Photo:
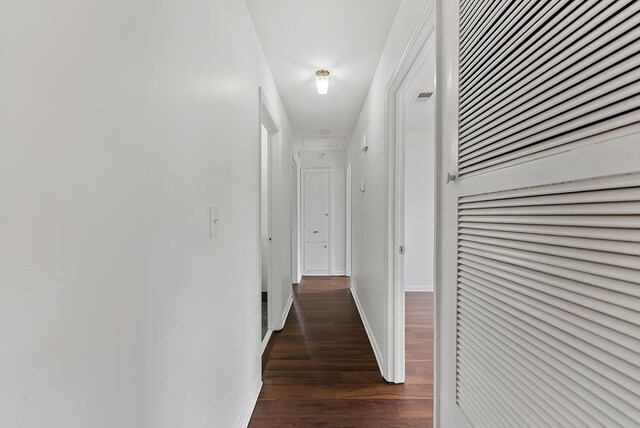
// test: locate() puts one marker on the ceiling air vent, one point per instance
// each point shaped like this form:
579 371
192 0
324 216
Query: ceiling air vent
422 97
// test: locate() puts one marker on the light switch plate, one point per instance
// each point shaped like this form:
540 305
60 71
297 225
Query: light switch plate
362 186
214 221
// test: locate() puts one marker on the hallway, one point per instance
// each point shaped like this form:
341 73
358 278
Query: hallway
322 371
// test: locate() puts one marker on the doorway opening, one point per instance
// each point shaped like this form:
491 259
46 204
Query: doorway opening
349 220
416 217
295 222
268 138
265 228
412 208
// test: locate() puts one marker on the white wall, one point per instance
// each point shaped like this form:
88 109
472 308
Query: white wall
336 161
419 210
369 270
121 122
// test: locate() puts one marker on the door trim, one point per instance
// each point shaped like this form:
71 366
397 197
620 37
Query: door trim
327 171
295 222
266 119
420 44
348 224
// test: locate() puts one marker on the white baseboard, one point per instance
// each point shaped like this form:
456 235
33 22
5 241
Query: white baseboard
250 404
287 309
339 273
367 327
265 341
419 288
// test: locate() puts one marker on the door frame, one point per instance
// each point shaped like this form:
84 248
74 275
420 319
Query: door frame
295 221
266 119
327 171
420 44
348 223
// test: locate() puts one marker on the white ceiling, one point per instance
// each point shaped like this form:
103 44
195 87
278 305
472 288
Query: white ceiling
344 36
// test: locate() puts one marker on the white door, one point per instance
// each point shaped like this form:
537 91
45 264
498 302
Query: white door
539 241
316 221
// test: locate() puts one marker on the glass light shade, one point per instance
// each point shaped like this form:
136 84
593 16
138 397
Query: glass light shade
322 80
323 84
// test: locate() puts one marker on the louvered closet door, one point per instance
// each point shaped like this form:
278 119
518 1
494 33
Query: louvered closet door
539 117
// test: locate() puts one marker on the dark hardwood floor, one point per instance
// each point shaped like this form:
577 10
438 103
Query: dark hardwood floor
321 371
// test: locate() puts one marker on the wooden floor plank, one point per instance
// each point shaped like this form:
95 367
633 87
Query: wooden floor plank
321 370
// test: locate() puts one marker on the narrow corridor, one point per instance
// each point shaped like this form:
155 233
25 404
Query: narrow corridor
321 370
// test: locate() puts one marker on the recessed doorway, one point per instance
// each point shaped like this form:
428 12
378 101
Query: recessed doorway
269 134
316 221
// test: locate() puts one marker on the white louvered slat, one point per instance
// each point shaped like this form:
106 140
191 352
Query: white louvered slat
610 234
553 353
583 306
553 365
621 195
536 77
519 374
549 279
568 271
603 334
575 36
547 366
563 241
614 303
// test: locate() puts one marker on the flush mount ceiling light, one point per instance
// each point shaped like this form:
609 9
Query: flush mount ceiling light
322 80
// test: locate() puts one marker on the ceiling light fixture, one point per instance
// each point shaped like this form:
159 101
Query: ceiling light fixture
322 80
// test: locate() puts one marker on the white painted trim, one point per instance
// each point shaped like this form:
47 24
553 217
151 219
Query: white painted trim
266 118
339 273
414 51
349 237
367 327
327 171
286 311
299 221
249 405
295 222
265 340
418 288
446 410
